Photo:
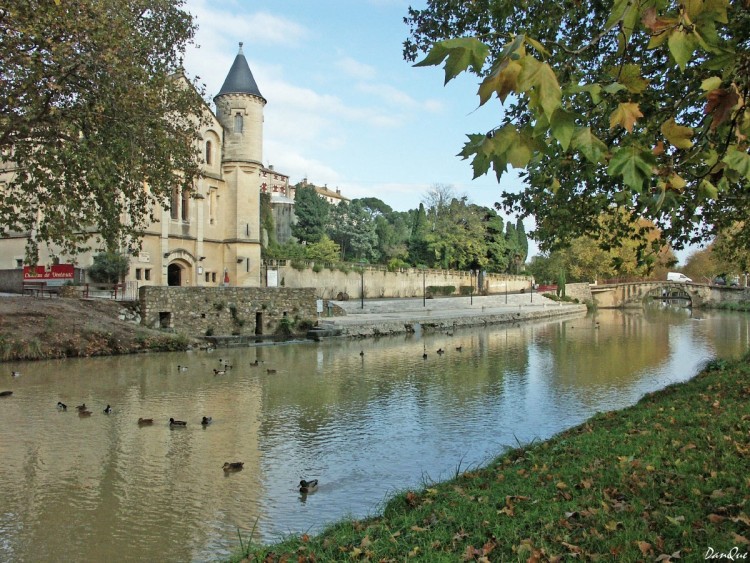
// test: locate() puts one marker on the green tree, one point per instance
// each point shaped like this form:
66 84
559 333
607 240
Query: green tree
498 255
312 215
109 267
418 252
92 106
641 105
353 228
457 238
325 250
523 241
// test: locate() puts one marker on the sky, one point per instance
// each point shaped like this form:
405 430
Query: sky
344 109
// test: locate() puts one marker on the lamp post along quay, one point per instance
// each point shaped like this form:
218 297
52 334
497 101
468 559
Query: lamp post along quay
362 284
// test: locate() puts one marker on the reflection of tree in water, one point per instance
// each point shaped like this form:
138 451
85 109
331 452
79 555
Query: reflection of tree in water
612 349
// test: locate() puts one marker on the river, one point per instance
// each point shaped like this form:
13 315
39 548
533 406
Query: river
367 418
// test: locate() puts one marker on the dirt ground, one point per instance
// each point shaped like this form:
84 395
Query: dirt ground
38 328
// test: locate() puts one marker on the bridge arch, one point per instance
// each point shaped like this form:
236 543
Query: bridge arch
635 293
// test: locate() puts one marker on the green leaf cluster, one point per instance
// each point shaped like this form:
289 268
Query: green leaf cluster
640 106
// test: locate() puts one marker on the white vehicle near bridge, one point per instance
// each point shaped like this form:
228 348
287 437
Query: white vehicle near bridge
677 277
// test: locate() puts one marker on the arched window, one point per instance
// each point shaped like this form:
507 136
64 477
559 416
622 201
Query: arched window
238 122
208 152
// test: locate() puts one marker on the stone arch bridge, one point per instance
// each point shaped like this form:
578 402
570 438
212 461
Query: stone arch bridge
633 294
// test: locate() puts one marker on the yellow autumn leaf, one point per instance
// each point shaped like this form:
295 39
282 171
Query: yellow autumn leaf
503 81
677 135
711 84
626 114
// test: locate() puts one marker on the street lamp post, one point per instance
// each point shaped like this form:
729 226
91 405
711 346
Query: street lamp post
362 284
424 289
471 292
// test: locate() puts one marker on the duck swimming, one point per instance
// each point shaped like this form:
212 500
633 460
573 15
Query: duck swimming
145 421
6 393
232 466
173 422
62 406
181 368
308 486
15 374
108 410
269 370
81 407
220 372
206 420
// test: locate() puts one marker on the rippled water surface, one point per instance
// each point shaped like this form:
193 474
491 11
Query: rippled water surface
366 425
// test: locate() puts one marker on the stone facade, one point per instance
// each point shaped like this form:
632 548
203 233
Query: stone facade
206 311
209 236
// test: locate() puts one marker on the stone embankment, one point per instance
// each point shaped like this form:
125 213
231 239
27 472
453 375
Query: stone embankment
393 316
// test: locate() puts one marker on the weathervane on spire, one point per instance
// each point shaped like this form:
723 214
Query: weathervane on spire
240 48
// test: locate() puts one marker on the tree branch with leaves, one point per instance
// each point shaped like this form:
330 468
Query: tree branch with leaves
634 105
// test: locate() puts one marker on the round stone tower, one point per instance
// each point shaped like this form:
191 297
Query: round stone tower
239 109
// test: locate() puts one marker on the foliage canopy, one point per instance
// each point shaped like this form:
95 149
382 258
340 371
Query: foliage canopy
93 108
635 104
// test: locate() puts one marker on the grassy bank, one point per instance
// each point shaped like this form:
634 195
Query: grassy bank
667 479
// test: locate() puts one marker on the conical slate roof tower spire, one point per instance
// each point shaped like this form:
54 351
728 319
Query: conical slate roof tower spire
240 79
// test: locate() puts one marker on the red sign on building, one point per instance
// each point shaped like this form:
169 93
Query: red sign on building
56 272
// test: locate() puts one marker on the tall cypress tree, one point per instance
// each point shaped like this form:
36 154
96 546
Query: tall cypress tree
523 241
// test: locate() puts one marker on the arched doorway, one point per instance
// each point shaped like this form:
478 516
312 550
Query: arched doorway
174 274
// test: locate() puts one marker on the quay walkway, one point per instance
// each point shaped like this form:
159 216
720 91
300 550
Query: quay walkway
390 316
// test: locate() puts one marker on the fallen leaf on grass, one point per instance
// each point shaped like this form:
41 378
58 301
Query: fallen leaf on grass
740 539
613 526
645 547
676 519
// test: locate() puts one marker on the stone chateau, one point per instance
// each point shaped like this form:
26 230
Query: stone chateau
211 236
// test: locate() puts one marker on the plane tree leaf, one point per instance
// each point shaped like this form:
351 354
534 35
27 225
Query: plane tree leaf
459 55
633 164
589 145
677 135
625 115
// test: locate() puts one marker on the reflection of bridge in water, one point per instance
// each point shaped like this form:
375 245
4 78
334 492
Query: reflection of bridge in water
633 294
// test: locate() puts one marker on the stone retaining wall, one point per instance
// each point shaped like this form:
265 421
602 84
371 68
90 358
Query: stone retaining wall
206 311
580 291
379 282
448 324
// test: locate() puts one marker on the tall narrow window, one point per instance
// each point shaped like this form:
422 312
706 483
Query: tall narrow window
185 212
211 206
208 152
174 204
238 122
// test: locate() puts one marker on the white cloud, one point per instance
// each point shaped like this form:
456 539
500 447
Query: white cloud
356 69
220 25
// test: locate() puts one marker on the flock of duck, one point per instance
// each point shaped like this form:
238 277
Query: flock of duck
228 467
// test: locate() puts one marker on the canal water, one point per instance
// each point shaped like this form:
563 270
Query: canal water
367 418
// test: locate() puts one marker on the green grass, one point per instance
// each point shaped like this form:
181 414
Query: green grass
666 479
